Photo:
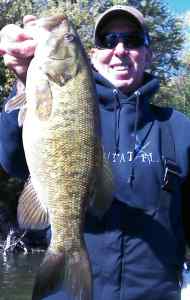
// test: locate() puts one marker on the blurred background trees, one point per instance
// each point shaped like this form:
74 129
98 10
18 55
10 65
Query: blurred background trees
168 34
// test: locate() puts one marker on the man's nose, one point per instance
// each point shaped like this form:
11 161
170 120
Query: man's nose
120 49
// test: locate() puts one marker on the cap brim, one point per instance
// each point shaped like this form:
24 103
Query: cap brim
129 11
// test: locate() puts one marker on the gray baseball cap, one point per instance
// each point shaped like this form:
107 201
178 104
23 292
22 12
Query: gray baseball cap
118 10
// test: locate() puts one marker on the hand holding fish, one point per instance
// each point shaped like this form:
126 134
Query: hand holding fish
17 46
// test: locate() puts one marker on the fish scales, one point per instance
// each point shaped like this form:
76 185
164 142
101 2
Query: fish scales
68 154
63 152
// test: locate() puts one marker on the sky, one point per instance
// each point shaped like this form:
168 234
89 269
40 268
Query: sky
178 6
181 8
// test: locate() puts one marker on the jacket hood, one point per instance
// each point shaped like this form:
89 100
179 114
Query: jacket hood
131 111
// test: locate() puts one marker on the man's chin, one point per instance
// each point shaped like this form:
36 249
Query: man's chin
123 85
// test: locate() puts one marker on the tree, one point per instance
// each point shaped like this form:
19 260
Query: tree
176 92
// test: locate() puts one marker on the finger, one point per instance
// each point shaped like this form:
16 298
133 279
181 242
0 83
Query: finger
12 61
17 65
22 49
10 32
2 51
29 19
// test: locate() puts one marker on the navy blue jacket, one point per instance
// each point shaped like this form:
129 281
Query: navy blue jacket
137 248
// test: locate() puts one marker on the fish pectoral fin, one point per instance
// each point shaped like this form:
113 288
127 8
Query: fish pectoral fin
102 197
68 272
44 100
31 214
15 103
21 115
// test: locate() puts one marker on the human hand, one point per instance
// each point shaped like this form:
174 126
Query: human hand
17 46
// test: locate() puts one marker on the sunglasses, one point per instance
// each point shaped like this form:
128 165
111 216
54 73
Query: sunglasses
129 40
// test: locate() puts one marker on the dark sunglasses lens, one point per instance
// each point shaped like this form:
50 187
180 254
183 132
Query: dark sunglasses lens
134 41
111 40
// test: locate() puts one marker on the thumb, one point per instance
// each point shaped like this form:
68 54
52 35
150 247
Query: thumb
2 51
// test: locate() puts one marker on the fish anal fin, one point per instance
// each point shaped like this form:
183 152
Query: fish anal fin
31 214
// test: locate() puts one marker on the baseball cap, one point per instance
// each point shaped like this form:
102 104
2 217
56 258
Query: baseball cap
118 10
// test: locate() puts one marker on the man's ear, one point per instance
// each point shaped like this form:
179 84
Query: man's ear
148 58
93 55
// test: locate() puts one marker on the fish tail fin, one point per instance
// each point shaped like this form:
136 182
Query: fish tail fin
67 272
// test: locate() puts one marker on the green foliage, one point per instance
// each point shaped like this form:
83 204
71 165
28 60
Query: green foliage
10 190
2 77
12 11
6 80
176 93
166 36
83 14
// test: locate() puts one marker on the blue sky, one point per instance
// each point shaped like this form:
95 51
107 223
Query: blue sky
178 6
182 9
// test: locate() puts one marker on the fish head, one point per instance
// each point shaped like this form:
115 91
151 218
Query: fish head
59 58
62 50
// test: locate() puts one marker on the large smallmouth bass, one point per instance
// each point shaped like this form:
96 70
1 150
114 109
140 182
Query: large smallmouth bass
61 138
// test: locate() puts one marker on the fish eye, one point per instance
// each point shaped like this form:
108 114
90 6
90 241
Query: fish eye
68 37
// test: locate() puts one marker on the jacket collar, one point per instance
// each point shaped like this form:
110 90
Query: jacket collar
107 92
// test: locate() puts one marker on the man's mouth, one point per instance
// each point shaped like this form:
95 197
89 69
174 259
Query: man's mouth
120 68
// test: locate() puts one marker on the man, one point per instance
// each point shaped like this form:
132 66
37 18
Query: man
137 248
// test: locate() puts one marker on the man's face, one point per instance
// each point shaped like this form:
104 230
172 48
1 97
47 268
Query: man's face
123 67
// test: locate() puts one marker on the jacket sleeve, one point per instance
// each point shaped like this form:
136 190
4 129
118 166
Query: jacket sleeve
12 156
